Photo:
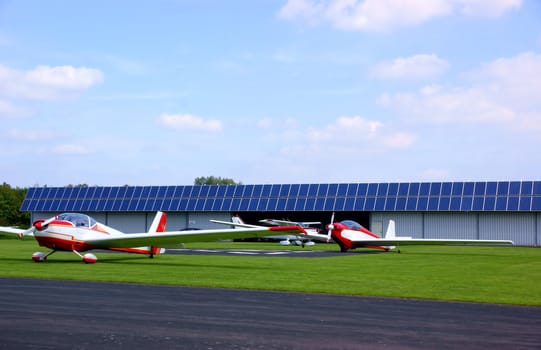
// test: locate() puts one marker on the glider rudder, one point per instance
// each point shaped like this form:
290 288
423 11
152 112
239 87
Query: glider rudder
158 225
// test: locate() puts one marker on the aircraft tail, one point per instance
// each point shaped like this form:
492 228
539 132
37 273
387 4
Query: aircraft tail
158 225
390 230
159 222
237 220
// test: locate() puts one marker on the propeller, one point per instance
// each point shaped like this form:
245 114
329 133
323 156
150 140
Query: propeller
330 228
38 225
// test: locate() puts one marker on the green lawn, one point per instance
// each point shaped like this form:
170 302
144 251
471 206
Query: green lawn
507 275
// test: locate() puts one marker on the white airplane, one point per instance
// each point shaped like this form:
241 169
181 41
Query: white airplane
77 233
306 239
350 235
301 239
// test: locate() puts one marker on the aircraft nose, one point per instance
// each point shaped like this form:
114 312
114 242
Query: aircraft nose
39 224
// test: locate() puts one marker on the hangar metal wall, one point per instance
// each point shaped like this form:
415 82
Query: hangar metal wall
523 228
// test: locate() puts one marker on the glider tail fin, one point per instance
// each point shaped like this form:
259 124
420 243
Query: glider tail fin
237 220
158 225
390 230
390 233
159 222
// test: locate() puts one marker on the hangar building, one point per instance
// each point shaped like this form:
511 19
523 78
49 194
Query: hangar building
469 210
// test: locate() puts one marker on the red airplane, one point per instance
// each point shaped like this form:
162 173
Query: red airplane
77 233
350 235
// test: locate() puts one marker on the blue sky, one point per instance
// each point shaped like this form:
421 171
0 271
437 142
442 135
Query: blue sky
271 91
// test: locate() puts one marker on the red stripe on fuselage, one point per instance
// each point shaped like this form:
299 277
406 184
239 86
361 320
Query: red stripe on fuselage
63 244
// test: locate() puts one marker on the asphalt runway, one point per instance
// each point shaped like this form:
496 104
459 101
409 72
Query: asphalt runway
52 314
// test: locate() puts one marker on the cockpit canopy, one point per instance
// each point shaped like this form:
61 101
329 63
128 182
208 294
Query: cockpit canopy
77 219
353 225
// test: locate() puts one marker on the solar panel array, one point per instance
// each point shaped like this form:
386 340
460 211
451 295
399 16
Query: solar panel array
415 196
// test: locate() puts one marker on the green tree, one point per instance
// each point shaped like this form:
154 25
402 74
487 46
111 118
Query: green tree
213 180
10 202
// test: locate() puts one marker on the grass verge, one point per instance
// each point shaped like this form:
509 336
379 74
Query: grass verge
504 275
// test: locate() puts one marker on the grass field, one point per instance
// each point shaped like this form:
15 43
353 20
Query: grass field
506 275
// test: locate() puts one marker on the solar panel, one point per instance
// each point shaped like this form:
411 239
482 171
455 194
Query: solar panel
435 189
525 204
372 190
512 203
265 190
478 203
415 196
359 203
380 203
369 203
284 190
342 190
490 203
323 190
457 188
422 204
479 189
536 203
514 188
382 190
390 203
361 190
537 188
503 188
466 204
239 190
248 190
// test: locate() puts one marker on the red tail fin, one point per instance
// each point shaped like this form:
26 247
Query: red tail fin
158 225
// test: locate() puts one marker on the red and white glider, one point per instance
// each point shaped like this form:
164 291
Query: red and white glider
77 233
350 235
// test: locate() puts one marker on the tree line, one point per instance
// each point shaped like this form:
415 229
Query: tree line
10 203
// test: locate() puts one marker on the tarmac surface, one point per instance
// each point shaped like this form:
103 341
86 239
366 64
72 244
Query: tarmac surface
54 314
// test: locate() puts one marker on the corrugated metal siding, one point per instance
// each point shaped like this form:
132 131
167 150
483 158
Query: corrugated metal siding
538 229
407 224
450 225
175 221
127 222
201 220
519 227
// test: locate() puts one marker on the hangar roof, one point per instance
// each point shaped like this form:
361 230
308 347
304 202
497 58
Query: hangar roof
405 196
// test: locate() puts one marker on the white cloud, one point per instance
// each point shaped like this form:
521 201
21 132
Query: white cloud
399 140
189 122
411 68
47 83
349 135
456 105
512 79
487 8
265 123
382 15
506 91
346 129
